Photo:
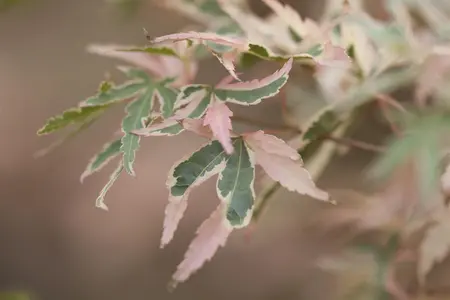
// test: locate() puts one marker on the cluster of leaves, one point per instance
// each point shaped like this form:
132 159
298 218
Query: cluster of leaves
355 60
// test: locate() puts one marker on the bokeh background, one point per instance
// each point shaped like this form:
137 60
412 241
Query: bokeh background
55 244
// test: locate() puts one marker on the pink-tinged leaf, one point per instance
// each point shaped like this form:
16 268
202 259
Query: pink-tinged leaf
218 118
140 59
227 60
307 29
204 37
196 126
431 77
333 56
252 92
159 65
288 172
271 144
168 127
435 246
173 213
212 234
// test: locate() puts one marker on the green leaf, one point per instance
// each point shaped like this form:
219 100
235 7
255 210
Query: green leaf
109 152
71 116
198 167
100 202
137 113
420 145
235 185
323 122
257 53
116 93
167 97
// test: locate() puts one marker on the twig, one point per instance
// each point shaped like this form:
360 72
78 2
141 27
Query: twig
343 141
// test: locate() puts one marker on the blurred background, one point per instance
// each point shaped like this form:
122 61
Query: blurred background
57 245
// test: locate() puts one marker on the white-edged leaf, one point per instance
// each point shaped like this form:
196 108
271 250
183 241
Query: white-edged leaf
137 113
100 202
196 99
109 152
168 127
124 91
290 173
236 185
212 234
252 92
190 172
218 118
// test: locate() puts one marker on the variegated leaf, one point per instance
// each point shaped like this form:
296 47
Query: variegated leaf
137 113
235 185
190 172
252 92
109 152
100 202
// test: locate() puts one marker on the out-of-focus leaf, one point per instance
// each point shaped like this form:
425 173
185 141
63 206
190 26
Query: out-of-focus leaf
420 144
435 246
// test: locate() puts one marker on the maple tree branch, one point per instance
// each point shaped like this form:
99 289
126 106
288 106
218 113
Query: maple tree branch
339 140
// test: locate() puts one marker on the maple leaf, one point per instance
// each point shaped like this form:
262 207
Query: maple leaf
196 100
212 234
170 61
109 152
143 91
283 164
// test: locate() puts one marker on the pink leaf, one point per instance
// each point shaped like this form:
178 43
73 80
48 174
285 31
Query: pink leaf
173 213
196 126
433 75
140 59
204 37
211 235
218 118
282 168
159 65
271 144
334 56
